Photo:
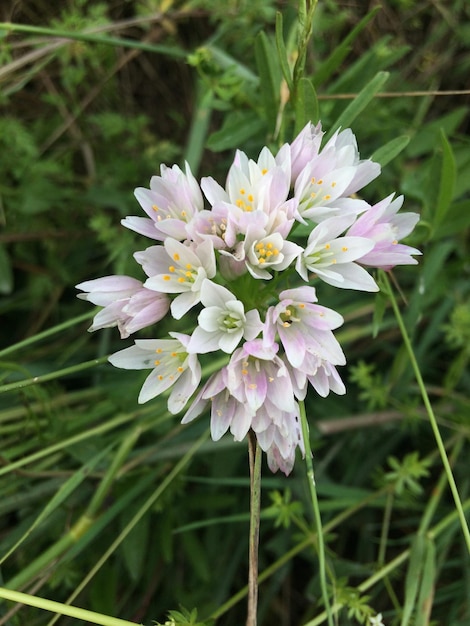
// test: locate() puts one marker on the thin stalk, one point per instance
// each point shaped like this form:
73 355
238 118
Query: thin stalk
316 512
27 382
254 454
25 343
90 38
62 609
432 418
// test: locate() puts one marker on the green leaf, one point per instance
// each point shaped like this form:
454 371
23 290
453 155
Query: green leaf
447 181
6 273
306 105
359 103
135 545
282 52
341 51
390 150
237 128
413 576
426 592
269 78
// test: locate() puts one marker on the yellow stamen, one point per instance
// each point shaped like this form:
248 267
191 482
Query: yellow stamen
166 277
176 256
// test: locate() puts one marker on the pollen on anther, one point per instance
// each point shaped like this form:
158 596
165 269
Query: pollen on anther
180 369
166 277
252 386
242 191
154 207
394 242
344 248
160 377
156 363
301 305
158 350
327 197
181 279
264 171
333 184
250 198
327 246
176 256
244 372
174 354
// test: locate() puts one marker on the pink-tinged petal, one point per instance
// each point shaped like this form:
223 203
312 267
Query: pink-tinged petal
138 357
213 191
299 294
153 387
142 225
183 389
223 410
241 422
348 276
228 342
294 345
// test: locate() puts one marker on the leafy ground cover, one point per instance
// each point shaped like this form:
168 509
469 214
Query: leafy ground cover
116 507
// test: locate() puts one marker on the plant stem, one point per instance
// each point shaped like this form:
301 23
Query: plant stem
254 455
387 288
62 609
316 512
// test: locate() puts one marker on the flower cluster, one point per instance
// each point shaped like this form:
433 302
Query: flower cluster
243 262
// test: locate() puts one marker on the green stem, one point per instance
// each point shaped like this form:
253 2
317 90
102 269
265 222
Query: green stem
91 38
21 384
62 609
432 418
316 511
46 333
254 452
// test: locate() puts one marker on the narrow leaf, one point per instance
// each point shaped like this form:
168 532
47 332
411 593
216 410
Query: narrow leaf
426 592
282 52
447 181
306 105
6 273
236 129
413 577
269 78
359 103
333 62
390 150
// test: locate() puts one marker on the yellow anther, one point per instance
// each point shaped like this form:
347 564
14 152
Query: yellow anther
166 277
181 279
158 350
176 256
261 260
252 386
320 182
250 197
259 245
189 266
180 369
327 197
156 362
269 245
242 191
275 251
333 184
327 246
264 171
171 268
240 204
183 214
154 207
313 195
269 253
188 274
312 180
174 354
394 242
160 377
244 372
286 324
344 248
301 305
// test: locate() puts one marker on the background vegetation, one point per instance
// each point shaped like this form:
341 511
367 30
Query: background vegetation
118 508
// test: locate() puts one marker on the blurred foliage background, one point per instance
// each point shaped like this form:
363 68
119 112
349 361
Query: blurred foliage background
110 505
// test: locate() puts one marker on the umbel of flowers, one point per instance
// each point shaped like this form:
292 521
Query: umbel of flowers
242 259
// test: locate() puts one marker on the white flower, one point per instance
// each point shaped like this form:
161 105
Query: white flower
332 258
171 365
176 268
223 322
171 202
376 621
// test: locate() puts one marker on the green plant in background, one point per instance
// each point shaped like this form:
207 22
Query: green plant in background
100 507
